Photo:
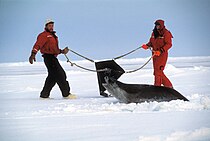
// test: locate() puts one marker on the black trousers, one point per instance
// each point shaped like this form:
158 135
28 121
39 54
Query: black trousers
56 74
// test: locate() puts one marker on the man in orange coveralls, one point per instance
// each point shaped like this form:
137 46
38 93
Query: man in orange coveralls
160 42
47 43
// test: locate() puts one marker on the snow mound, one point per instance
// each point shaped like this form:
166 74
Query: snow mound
202 134
171 69
62 108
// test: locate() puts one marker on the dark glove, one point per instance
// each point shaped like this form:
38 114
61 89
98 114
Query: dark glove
65 50
144 46
32 58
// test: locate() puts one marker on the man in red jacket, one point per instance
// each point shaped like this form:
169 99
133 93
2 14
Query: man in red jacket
160 42
47 43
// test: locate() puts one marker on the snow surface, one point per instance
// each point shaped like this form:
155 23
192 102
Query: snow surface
23 116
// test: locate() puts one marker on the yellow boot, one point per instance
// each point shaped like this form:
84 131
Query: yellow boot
71 96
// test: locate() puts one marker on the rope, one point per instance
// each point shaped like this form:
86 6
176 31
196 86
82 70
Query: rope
87 69
107 69
126 54
121 56
141 66
82 56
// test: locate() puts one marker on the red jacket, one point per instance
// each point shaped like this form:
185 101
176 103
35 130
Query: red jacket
162 43
47 43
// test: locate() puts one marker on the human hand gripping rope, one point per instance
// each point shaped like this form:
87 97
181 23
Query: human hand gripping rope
155 53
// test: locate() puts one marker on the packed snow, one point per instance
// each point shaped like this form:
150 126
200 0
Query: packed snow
90 117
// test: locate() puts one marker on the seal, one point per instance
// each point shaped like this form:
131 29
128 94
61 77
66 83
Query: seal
138 93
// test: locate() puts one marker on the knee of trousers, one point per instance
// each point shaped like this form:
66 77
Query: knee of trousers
158 71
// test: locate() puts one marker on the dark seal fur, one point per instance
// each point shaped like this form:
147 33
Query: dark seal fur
137 93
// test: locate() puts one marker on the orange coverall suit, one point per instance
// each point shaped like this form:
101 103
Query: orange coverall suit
161 43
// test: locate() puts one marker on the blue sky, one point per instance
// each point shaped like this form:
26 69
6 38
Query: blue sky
102 29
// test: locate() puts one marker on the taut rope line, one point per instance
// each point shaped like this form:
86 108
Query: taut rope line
106 69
